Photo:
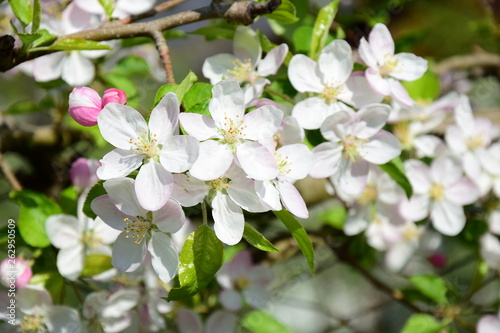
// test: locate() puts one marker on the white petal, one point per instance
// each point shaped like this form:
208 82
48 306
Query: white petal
312 112
262 123
409 67
257 161
366 54
335 62
381 42
357 220
221 321
246 44
463 192
490 250
268 193
292 200
70 261
227 102
415 209
303 74
337 126
153 185
63 319
254 90
327 157
363 94
199 126
445 170
217 67
33 299
373 117
105 208
48 67
118 163
273 60
127 255
179 152
300 160
382 148
494 222
419 176
399 93
188 321
121 191
120 302
189 191
164 118
170 218
63 230
377 83
135 7
163 256
120 123
104 232
77 70
448 218
228 218
242 192
488 324
352 176
213 160
231 299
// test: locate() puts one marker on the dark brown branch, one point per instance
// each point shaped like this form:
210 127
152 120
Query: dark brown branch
162 47
9 175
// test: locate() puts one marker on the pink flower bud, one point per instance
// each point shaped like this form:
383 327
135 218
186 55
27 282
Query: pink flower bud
114 96
83 172
15 272
84 106
438 260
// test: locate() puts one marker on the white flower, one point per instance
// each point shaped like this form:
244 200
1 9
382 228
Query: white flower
219 321
488 324
122 8
141 229
153 143
386 68
246 65
356 139
230 132
331 78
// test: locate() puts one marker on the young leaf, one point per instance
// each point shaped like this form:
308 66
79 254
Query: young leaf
37 13
23 11
285 13
300 235
423 323
262 322
185 85
68 44
108 6
334 216
96 191
427 88
96 264
35 208
395 169
322 27
163 90
256 239
200 258
431 286
199 92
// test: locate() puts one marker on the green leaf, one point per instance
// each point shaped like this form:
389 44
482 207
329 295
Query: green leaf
200 258
37 13
22 10
432 286
300 235
22 107
285 13
302 37
109 6
179 89
69 43
69 200
321 28
426 89
95 191
96 264
334 216
395 169
163 90
38 38
423 323
131 64
199 92
262 322
35 208
212 33
256 239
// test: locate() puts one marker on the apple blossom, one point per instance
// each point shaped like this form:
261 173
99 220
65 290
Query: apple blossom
231 133
219 321
83 172
385 68
85 104
488 324
15 271
246 65
122 8
140 229
150 147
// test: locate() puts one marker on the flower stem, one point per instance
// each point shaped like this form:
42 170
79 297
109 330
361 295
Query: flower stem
204 212
276 93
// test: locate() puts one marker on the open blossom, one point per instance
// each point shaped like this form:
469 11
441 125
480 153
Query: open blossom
356 139
440 190
150 147
219 321
246 65
386 68
140 229
331 78
488 324
231 133
85 104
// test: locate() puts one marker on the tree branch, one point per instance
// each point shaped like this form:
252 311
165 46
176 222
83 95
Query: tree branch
162 47
235 12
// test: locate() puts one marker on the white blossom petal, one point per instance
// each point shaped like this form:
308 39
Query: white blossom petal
121 191
70 261
327 158
303 74
292 200
170 217
335 62
216 68
227 102
118 163
213 160
199 126
268 193
257 161
381 42
381 148
179 152
189 191
312 112
273 60
228 218
63 230
262 123
153 185
448 218
164 256
77 70
409 67
164 118
127 255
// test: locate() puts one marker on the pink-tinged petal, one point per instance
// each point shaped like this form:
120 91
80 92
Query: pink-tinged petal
262 123
254 90
415 209
246 45
61 318
399 93
153 186
299 158
217 68
428 146
268 193
445 170
335 62
448 218
363 94
456 139
48 67
471 165
63 230
327 157
488 324
409 67
118 163
231 299
256 297
179 152
366 53
213 160
105 208
290 132
229 221
170 217
189 191
494 222
74 19
104 232
242 192
227 103
260 276
199 126
77 70
120 123
292 200
377 82
312 112
164 256
273 60
381 42
357 220
121 191
84 106
419 176
257 161
164 118
127 255
463 192
239 266
373 118
70 261
221 321
352 176
303 74
381 148
189 321
114 95
337 126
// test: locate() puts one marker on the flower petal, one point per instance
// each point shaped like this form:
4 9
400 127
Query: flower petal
164 118
303 74
228 218
488 324
164 256
268 193
448 218
409 67
109 214
221 321
374 118
246 44
189 191
327 157
77 70
48 67
292 200
127 255
227 102
377 82
70 261
63 319
170 217
121 191
273 60
381 42
335 62
381 148
262 123
231 299
118 163
213 160
299 160
216 68
257 161
463 192
63 230
189 321
415 209
120 302
199 126
153 185
179 152
363 94
242 192
352 176
366 54
399 93
312 112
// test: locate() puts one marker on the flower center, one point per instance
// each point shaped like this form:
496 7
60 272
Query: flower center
242 70
352 146
402 132
241 283
145 144
232 131
475 142
220 184
389 66
32 324
284 165
91 239
137 228
437 192
411 232
369 194
330 93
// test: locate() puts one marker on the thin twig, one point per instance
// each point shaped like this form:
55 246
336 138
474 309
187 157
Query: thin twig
162 47
278 94
11 177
